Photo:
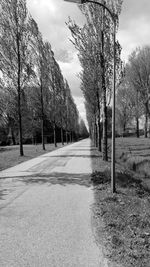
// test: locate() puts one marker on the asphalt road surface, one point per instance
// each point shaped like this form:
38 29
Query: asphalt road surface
45 211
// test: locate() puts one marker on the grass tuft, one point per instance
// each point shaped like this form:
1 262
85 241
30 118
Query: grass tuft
121 221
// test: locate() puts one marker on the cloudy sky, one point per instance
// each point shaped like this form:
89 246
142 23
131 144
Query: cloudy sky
51 15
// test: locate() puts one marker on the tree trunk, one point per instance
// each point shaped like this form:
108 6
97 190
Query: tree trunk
42 117
93 134
96 135
19 97
137 128
66 137
54 128
71 137
146 119
42 132
105 154
99 136
13 136
124 128
62 136
99 125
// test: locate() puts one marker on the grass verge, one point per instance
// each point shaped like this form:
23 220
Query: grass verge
122 220
9 155
134 154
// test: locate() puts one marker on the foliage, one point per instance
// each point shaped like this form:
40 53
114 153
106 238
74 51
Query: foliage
37 102
94 42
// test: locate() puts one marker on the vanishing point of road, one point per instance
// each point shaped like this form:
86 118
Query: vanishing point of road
45 211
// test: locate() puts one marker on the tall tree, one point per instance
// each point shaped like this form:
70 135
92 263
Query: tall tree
124 106
94 43
41 70
139 76
14 52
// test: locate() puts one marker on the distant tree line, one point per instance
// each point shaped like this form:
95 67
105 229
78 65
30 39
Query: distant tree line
94 42
35 100
133 93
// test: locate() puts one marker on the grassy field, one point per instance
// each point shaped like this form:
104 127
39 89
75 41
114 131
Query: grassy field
121 221
131 153
134 154
9 155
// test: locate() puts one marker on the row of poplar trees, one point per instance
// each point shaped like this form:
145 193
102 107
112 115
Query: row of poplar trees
33 91
94 42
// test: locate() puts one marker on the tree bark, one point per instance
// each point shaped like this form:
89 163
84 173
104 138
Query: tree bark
13 136
42 117
62 136
124 128
66 137
19 97
99 136
99 125
105 154
146 119
54 128
96 135
137 128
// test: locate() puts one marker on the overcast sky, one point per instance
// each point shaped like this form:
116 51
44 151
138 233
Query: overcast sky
51 15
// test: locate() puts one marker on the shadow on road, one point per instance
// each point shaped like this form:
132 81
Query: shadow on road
58 178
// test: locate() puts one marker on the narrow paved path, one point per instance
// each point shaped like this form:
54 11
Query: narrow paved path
45 211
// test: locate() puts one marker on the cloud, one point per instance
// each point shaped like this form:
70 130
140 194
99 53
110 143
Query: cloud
80 105
51 16
70 72
134 26
63 55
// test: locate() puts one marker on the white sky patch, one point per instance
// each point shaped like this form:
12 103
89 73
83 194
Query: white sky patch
136 35
80 105
70 71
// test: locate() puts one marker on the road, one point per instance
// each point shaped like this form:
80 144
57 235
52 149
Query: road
45 211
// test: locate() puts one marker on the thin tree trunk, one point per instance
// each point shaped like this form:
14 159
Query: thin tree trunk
69 137
96 135
146 119
92 133
137 128
19 97
66 137
137 114
42 117
124 128
62 136
42 132
13 136
54 128
99 125
105 154
99 136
